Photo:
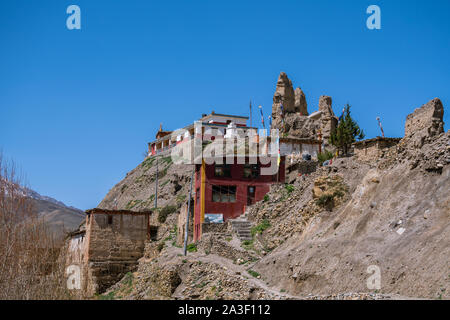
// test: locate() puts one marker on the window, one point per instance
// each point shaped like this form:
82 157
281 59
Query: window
222 170
110 219
153 233
251 171
224 193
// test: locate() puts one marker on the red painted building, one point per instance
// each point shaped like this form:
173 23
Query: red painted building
228 189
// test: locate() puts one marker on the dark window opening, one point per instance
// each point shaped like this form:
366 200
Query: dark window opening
222 170
153 233
224 194
251 171
110 219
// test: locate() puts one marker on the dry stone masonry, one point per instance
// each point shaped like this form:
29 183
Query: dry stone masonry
424 122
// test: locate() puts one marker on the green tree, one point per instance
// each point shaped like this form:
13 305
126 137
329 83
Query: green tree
346 132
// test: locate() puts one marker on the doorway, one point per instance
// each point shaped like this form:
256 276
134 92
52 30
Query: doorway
251 190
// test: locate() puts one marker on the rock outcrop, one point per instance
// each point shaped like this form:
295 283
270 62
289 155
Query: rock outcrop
300 102
425 122
284 96
328 120
292 120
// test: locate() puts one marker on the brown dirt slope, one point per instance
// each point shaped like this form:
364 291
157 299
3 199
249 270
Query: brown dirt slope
397 217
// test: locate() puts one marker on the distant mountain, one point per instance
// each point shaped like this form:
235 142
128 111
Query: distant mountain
59 217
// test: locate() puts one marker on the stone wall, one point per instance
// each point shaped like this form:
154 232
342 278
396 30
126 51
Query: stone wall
115 242
424 122
428 117
373 149
223 228
181 225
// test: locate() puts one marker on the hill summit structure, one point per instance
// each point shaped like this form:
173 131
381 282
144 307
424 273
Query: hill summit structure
290 113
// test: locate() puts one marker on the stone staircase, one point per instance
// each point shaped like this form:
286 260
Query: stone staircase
242 228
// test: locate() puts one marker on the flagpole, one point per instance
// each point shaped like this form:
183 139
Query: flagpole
381 127
250 113
262 117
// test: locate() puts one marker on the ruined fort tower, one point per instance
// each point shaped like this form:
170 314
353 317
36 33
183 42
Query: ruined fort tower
290 113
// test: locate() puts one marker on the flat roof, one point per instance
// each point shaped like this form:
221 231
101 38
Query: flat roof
117 211
362 142
224 115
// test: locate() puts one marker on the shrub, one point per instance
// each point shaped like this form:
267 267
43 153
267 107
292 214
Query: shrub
324 156
253 273
167 160
265 224
128 279
290 188
164 212
192 247
325 200
109 296
174 243
148 163
266 198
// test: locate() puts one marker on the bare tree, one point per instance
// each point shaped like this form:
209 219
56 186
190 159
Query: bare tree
29 266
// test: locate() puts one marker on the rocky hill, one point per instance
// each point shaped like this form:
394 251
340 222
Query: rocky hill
137 190
59 217
316 237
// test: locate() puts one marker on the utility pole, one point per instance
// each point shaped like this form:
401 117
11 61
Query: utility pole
156 185
188 212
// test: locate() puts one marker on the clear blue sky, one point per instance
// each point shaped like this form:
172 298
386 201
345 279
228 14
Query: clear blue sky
77 107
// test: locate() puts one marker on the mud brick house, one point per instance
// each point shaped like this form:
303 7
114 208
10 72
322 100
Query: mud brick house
107 246
373 149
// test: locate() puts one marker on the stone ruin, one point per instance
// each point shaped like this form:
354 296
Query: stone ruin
424 123
422 126
297 122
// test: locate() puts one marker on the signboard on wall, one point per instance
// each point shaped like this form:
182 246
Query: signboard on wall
213 218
